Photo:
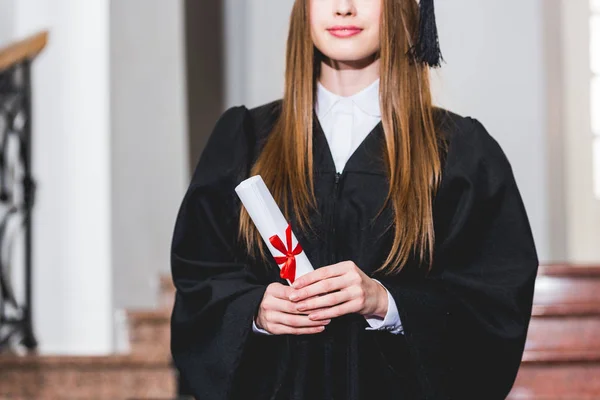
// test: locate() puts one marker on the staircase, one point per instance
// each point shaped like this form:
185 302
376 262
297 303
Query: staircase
145 373
561 359
562 354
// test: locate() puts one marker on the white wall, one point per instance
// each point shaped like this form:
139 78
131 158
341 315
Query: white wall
256 33
71 162
149 142
495 72
555 114
583 209
6 21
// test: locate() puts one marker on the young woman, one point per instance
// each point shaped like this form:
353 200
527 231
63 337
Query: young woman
424 259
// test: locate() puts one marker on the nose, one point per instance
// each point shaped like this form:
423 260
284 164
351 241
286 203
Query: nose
344 7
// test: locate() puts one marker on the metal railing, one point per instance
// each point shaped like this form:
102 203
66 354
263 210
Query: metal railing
17 193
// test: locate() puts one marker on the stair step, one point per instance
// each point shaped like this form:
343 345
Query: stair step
567 290
149 333
149 316
563 338
570 270
539 381
112 360
86 377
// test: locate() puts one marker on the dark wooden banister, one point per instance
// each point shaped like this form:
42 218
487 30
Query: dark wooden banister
26 49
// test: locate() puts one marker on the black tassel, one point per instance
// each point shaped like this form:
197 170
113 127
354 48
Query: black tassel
427 47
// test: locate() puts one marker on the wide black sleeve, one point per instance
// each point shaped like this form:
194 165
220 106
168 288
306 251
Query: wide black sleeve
466 323
218 291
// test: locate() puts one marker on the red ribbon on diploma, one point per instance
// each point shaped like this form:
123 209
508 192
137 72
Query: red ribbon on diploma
288 271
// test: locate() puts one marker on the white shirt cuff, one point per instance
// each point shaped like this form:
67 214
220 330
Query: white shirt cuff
256 329
391 322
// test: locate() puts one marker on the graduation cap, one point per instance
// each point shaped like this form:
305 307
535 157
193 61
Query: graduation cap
427 47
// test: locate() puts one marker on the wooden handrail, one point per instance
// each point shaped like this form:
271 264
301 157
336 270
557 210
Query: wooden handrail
22 50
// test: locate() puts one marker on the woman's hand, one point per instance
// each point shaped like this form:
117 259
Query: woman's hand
278 315
338 289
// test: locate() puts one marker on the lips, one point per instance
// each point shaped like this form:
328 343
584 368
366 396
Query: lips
344 31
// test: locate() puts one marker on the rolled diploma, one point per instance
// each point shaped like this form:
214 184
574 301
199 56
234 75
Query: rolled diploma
269 220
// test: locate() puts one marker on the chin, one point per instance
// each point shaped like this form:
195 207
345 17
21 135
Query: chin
349 56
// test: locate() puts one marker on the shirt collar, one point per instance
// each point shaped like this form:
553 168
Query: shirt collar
367 100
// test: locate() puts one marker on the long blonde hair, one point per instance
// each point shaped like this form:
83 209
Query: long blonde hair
413 149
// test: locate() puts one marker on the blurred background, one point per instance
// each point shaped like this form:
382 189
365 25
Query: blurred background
105 106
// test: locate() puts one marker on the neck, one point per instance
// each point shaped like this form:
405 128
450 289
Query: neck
346 78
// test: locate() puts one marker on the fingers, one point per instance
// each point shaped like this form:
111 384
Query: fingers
320 274
279 291
280 323
295 320
286 330
280 305
326 301
320 287
336 311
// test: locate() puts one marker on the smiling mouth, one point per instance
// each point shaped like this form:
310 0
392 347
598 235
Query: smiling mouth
344 31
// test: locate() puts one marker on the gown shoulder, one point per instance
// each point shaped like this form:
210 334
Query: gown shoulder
263 118
235 141
471 148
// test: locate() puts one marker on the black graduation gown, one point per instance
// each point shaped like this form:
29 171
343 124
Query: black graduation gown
465 323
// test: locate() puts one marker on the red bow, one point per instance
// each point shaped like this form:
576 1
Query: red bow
288 271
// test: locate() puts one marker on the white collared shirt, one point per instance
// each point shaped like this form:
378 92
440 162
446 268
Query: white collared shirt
346 122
